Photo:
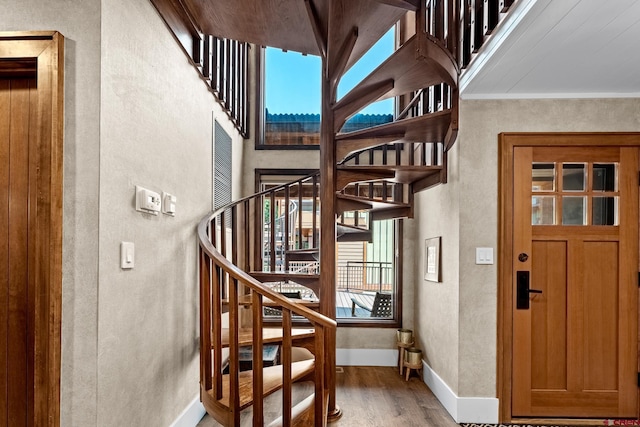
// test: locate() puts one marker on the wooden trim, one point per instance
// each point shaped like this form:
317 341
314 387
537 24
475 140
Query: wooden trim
47 48
507 142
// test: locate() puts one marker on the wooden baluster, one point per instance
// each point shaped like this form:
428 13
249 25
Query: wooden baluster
490 16
215 66
423 154
287 226
287 401
206 59
223 233
453 22
464 51
227 74
314 226
272 231
258 388
322 378
412 153
398 149
197 54
438 20
205 323
299 246
371 162
504 5
234 368
246 235
477 37
234 234
216 313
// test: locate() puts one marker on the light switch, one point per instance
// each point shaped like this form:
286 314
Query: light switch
127 255
484 255
168 204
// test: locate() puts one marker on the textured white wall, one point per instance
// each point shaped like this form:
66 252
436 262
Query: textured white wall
436 304
156 131
79 22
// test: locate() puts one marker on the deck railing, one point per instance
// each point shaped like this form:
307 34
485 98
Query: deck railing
365 276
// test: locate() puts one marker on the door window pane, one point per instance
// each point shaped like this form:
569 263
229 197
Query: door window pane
573 177
605 177
604 210
543 177
543 210
573 210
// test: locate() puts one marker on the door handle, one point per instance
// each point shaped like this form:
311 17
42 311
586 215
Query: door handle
523 290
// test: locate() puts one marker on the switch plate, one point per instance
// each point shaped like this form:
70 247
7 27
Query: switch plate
484 256
168 204
127 255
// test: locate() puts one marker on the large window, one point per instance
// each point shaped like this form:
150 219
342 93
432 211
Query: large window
368 265
289 111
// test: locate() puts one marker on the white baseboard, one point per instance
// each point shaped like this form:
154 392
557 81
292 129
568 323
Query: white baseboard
191 415
462 409
366 357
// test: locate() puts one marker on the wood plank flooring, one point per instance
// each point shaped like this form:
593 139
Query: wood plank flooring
369 396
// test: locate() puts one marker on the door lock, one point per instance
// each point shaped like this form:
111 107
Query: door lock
523 290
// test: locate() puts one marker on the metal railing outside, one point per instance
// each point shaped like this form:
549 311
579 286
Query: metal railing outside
365 276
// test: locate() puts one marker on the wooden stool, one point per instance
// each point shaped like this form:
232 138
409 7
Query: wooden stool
401 347
409 366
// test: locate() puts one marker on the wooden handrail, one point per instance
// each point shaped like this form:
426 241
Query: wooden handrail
220 274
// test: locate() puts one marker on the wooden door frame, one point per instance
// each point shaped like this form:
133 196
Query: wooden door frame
506 144
41 55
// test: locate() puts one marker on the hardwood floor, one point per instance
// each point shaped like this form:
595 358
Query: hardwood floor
369 396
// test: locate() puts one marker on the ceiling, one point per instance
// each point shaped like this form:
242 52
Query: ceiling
560 48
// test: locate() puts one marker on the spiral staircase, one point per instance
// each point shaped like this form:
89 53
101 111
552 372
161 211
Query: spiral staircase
377 170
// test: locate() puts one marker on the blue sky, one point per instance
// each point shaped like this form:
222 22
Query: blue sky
293 80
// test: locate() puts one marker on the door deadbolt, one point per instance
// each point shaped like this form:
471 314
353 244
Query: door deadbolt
523 257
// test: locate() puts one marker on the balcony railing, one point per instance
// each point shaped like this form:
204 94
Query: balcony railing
365 276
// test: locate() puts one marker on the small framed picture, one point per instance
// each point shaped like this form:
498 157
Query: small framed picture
432 259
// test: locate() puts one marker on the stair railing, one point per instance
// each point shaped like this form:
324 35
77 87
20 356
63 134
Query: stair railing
227 239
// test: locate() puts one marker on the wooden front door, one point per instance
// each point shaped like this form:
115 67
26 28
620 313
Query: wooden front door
575 282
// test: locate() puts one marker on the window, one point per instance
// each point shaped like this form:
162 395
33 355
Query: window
367 264
289 111
575 193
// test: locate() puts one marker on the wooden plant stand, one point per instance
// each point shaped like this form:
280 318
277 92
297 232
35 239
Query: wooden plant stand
401 347
409 366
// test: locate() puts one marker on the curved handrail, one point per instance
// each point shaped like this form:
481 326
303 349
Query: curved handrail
237 273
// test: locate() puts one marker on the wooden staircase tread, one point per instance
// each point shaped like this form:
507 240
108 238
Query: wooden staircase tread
302 414
272 381
403 173
374 204
312 254
407 70
352 233
426 128
285 24
348 228
269 335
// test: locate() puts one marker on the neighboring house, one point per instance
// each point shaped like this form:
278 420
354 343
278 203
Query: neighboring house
137 113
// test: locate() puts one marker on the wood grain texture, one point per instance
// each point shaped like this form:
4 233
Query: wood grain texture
601 336
5 126
35 215
377 396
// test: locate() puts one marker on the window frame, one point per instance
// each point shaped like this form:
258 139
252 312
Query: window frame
359 322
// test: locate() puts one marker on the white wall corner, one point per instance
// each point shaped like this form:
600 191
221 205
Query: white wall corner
461 409
191 415
366 357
